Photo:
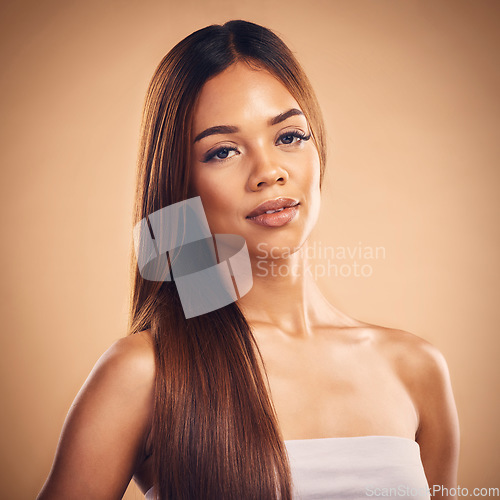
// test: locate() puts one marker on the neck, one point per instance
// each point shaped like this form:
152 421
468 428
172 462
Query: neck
285 295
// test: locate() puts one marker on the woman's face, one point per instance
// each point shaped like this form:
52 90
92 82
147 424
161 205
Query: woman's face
251 146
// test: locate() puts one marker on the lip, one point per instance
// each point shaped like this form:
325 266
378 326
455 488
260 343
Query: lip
287 207
275 204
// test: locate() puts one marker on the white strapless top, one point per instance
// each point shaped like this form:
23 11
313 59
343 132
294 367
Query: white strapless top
354 468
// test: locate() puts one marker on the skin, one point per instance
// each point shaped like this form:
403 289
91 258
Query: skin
330 375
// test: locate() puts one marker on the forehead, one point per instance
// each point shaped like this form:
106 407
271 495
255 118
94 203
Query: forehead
241 93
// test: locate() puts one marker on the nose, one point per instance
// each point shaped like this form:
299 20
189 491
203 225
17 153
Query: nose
265 173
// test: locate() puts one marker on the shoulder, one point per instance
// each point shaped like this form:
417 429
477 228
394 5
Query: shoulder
104 435
423 369
129 363
135 347
124 376
415 360
135 352
412 355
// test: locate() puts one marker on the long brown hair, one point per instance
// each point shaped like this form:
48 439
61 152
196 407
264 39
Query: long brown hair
214 432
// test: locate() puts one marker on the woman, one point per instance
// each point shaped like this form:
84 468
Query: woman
278 394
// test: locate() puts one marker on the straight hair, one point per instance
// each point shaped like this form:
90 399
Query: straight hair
215 433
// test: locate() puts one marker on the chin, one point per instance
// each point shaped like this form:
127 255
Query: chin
275 246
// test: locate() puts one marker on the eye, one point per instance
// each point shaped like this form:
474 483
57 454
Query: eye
294 136
220 154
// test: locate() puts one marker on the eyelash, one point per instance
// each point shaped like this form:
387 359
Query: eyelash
293 133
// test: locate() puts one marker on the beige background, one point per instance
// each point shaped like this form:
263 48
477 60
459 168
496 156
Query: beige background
409 90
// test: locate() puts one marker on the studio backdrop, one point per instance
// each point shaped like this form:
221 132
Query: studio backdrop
408 235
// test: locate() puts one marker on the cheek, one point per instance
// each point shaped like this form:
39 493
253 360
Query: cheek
202 186
310 172
215 196
311 186
216 199
216 187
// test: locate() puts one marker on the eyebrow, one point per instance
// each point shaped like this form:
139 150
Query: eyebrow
231 129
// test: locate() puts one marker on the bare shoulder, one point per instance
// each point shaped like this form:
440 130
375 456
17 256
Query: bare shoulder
416 362
128 364
136 346
134 352
103 439
422 367
410 354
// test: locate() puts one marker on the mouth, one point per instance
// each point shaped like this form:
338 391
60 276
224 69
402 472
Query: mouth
274 213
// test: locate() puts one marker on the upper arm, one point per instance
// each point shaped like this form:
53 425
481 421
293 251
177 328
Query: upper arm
103 435
438 431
